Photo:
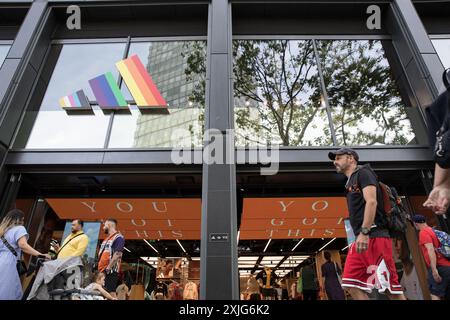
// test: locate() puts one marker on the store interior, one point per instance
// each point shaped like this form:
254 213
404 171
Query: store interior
281 228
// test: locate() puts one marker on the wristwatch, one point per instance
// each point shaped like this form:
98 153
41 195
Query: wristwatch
365 231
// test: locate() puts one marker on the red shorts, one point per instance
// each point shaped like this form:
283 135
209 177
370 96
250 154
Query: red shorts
374 268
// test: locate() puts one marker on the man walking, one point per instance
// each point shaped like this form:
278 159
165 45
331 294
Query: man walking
75 244
369 263
110 255
438 265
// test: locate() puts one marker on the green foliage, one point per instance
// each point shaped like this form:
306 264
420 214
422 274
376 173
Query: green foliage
278 98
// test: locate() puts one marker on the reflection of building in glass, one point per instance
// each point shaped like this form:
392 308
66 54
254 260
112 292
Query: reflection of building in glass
167 65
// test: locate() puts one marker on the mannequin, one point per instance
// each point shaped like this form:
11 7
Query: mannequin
266 280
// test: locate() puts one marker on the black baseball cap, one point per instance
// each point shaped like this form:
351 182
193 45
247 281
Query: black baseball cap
418 218
332 155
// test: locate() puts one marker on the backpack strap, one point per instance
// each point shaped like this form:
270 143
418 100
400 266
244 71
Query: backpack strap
383 187
67 242
10 247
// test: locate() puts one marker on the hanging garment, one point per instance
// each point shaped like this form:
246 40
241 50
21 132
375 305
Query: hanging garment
175 291
190 291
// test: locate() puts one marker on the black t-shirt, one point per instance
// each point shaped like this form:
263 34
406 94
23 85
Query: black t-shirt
361 178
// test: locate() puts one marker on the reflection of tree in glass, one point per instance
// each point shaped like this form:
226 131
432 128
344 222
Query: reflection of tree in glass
194 52
278 97
279 80
365 103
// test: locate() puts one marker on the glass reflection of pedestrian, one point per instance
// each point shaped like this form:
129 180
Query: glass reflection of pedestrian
330 273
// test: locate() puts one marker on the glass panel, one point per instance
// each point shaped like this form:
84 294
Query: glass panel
177 68
442 47
4 48
277 96
51 126
365 103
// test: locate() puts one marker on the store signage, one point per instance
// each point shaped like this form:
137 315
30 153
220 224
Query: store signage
290 218
108 95
164 218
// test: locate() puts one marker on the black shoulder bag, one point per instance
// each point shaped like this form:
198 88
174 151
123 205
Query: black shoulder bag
21 267
442 145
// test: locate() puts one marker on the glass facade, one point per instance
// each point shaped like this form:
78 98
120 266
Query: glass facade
279 99
442 47
49 126
365 103
168 64
311 93
4 48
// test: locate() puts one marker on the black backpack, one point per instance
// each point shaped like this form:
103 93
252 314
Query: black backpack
395 214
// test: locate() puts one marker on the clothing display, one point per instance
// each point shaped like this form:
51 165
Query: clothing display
252 286
175 291
190 291
122 292
411 286
268 278
160 291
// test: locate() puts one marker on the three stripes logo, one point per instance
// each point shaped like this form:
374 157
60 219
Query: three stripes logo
108 95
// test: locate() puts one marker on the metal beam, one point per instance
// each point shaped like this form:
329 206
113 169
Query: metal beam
219 268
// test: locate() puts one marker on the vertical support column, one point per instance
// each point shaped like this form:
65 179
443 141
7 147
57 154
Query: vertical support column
219 270
418 57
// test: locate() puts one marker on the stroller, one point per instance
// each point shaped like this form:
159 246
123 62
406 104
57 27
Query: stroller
59 280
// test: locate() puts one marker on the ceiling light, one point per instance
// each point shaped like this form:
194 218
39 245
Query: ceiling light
327 244
151 246
295 247
125 248
179 243
267 245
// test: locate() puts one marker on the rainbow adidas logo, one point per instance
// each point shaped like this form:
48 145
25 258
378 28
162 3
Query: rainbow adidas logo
108 94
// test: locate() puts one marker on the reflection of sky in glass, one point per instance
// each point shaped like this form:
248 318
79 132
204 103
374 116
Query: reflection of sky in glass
92 230
304 99
364 123
147 130
3 52
57 129
442 47
77 64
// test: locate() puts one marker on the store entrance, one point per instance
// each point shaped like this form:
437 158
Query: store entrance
157 214
292 222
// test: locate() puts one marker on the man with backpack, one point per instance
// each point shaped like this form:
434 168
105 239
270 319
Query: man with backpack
433 243
370 263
